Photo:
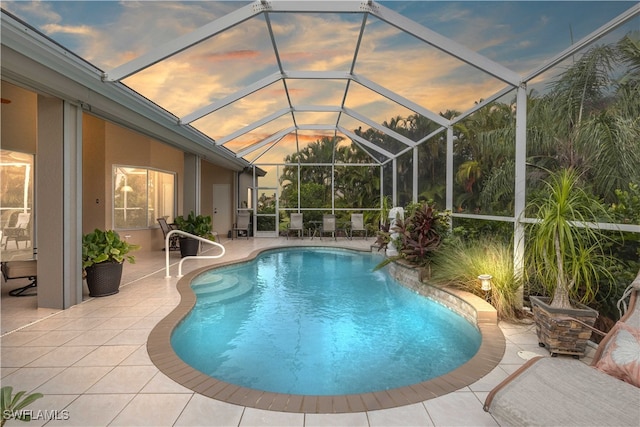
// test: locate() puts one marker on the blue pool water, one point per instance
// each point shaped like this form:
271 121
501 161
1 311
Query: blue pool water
318 322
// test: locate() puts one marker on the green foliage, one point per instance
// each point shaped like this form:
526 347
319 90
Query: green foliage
627 208
570 260
11 406
478 229
105 246
310 173
460 261
198 225
420 234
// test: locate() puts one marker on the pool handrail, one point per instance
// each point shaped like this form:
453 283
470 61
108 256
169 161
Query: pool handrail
185 234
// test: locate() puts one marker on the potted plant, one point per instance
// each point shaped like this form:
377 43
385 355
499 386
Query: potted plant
198 225
103 253
569 260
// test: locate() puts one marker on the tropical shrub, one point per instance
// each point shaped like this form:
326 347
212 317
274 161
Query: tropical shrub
627 208
422 233
419 235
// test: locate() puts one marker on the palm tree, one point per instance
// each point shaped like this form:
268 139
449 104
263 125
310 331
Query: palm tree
587 121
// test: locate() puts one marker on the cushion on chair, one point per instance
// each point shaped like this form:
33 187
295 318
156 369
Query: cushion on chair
18 269
621 358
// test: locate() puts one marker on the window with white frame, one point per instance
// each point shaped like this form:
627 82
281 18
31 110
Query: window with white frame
141 195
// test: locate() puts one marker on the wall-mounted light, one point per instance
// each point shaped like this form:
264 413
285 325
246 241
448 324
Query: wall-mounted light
126 189
485 284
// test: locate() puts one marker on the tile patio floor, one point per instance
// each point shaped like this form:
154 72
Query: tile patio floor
91 361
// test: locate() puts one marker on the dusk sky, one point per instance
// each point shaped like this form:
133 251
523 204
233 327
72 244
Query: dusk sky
520 35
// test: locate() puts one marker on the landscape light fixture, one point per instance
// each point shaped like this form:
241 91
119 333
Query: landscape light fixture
485 282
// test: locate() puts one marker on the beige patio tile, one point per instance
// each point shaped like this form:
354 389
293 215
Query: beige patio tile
62 356
124 379
354 419
460 408
203 410
415 414
94 410
81 324
47 409
107 355
19 338
140 357
73 380
160 383
49 324
261 417
130 336
152 410
94 337
53 338
120 323
28 379
489 381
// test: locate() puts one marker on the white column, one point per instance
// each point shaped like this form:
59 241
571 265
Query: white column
449 174
394 180
415 174
520 184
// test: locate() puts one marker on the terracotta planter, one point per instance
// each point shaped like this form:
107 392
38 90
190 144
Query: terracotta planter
189 246
104 278
562 331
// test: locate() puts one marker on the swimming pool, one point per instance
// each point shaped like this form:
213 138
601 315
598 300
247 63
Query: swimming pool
312 321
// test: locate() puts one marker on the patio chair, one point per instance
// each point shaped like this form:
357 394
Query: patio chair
296 223
166 228
241 225
8 218
19 232
23 269
328 226
357 225
567 392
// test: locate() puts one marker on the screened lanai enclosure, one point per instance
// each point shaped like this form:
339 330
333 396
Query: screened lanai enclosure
357 106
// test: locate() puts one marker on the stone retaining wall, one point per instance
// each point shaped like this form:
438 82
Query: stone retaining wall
471 307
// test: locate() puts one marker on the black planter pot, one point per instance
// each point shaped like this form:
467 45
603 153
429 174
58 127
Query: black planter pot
104 278
189 246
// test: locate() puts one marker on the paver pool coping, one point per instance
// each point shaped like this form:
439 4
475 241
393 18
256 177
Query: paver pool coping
167 361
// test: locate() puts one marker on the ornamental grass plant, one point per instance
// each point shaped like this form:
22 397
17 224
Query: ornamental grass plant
459 262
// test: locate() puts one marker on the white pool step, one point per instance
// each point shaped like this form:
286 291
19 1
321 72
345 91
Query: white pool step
218 288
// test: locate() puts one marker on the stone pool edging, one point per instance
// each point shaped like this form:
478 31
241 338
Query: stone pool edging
167 361
470 306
